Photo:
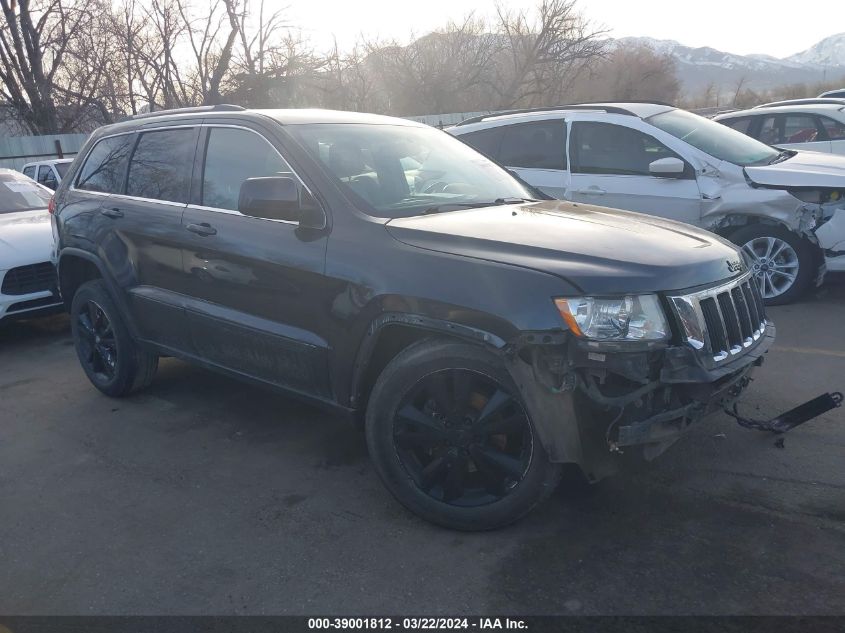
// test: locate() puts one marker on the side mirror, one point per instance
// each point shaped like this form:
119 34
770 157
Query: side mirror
273 197
670 167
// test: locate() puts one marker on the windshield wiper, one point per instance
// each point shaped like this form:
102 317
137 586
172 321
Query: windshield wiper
454 206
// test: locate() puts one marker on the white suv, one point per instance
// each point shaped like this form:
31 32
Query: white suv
816 125
48 172
785 208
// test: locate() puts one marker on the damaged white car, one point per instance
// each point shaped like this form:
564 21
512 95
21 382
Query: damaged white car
785 208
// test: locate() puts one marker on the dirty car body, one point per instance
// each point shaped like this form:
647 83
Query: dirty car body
616 330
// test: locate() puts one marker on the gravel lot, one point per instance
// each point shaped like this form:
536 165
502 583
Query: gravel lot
206 496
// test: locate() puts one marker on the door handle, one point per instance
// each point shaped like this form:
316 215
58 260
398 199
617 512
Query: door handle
112 212
203 229
590 191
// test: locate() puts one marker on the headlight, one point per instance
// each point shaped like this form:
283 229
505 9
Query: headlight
628 318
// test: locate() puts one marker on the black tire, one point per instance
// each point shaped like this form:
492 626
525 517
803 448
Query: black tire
488 504
113 362
807 266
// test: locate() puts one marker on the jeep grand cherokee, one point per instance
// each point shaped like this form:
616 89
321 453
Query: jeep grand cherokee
387 270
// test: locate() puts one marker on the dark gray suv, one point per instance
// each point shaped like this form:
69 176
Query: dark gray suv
385 269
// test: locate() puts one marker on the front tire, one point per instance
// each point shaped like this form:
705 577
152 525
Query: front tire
451 439
783 263
113 362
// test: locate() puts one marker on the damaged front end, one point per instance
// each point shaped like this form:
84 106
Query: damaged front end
645 395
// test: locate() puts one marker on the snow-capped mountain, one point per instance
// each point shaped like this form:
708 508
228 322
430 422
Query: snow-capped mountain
829 52
703 66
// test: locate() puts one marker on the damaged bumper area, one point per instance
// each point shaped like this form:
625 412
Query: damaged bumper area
592 401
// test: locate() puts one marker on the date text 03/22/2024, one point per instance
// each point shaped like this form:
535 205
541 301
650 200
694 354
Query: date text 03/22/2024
414 624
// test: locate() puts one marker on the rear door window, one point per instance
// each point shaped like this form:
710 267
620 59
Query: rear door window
160 168
29 171
233 155
105 167
799 128
47 177
537 145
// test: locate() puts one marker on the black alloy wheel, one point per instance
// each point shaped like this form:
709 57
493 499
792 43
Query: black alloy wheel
463 438
97 342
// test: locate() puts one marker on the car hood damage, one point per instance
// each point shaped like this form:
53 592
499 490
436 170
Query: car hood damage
802 170
599 250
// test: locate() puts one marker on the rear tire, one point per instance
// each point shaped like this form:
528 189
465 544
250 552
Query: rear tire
468 457
114 363
784 263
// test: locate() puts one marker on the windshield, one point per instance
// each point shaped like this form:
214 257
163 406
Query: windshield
716 139
399 171
62 168
19 193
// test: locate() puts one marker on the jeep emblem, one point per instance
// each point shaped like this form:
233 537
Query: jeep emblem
734 265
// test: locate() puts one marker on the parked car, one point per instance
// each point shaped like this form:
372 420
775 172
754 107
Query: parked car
817 127
784 207
837 94
48 172
28 284
382 268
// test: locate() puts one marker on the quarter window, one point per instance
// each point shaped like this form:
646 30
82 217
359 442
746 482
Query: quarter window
232 156
160 168
538 145
835 129
604 148
740 125
105 166
485 141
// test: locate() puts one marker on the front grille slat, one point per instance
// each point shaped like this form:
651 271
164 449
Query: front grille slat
730 319
716 335
25 280
752 304
723 320
743 313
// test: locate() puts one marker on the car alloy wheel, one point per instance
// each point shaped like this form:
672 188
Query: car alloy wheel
463 438
774 264
97 343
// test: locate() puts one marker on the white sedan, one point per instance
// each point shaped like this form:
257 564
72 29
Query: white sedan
28 284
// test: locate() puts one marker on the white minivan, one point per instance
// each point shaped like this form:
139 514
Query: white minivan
785 208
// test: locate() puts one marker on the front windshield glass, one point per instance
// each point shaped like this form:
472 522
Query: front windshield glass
716 139
399 171
62 168
19 193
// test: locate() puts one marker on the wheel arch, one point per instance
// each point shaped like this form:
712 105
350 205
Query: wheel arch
76 267
391 333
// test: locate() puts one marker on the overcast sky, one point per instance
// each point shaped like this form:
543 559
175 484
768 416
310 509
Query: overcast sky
736 26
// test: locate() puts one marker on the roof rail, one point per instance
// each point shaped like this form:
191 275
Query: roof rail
810 101
599 105
221 107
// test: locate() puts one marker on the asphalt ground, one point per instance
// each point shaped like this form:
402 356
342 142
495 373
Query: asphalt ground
207 496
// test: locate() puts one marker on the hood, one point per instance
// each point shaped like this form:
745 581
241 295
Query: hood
599 250
804 169
25 238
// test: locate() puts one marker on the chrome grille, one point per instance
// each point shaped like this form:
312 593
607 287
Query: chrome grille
724 320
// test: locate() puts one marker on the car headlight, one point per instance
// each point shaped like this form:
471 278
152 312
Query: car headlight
628 318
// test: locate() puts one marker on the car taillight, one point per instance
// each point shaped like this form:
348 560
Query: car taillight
51 206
